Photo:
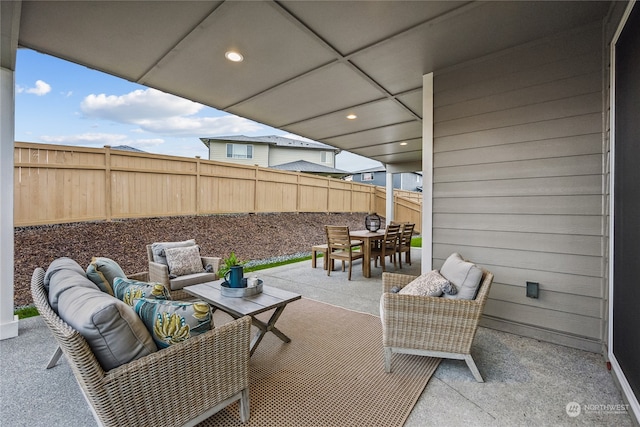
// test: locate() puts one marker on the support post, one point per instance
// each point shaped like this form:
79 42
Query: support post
8 321
389 206
427 172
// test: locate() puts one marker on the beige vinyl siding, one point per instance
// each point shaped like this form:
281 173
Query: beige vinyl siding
218 151
518 182
280 155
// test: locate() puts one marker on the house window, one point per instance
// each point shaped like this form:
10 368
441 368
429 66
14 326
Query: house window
326 157
239 151
367 176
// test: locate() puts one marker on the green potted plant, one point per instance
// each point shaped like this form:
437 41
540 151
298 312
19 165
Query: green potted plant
234 265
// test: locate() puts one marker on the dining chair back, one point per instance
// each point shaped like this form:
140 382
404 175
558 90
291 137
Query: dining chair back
387 246
341 247
404 243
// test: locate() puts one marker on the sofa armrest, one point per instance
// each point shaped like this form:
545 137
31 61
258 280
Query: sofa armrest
176 384
213 261
389 280
159 273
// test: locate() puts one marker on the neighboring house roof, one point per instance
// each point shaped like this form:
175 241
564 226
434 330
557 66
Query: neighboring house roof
272 140
127 148
380 169
373 169
309 167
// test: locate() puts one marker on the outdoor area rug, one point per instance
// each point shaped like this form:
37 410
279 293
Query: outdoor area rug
330 374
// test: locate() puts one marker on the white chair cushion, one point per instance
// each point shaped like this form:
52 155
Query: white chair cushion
463 274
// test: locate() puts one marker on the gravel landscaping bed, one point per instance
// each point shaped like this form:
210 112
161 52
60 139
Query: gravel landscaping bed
259 238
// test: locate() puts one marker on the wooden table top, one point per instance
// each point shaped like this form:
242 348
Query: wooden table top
266 300
367 233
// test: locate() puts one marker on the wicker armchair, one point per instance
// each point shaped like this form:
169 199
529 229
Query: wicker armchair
160 273
430 326
181 385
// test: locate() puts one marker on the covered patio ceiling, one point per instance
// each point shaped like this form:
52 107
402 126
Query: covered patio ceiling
307 64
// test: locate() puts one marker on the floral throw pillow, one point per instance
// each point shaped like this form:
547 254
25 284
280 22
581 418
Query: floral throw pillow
127 290
183 261
430 284
172 322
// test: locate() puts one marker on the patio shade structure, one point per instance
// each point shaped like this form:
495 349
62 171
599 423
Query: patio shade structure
509 109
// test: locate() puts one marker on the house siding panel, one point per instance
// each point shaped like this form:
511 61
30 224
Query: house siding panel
281 155
518 181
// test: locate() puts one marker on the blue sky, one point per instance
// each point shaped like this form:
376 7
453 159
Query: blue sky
58 102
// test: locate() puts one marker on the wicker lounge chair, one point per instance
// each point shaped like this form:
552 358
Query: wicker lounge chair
159 272
430 326
178 386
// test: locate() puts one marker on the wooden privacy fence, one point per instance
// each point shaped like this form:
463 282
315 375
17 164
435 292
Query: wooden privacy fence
57 184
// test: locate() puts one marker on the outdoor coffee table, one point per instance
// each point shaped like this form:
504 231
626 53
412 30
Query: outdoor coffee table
266 300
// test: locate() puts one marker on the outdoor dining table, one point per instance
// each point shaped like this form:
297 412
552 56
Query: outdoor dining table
367 237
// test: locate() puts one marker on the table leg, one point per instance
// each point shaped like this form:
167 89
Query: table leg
263 328
366 262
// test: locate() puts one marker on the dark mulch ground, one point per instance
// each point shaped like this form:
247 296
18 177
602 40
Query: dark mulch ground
251 237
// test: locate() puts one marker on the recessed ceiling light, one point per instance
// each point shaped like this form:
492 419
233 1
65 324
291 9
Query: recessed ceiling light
403 143
352 117
233 56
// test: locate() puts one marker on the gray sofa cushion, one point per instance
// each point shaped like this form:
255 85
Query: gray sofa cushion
62 263
112 329
64 279
463 274
158 249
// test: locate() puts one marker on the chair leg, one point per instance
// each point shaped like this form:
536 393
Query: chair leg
244 406
54 359
350 264
387 359
399 254
474 369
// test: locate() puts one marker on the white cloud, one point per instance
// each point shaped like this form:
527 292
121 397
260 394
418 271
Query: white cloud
41 88
201 126
148 104
87 139
157 112
101 139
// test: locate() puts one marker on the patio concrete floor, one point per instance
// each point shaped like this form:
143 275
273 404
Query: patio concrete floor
527 382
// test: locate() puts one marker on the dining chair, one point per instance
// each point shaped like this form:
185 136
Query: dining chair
341 247
387 246
404 243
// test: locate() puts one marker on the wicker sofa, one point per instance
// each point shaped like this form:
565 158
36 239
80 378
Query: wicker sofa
180 385
430 326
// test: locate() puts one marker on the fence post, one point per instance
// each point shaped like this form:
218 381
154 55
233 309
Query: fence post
198 188
107 183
